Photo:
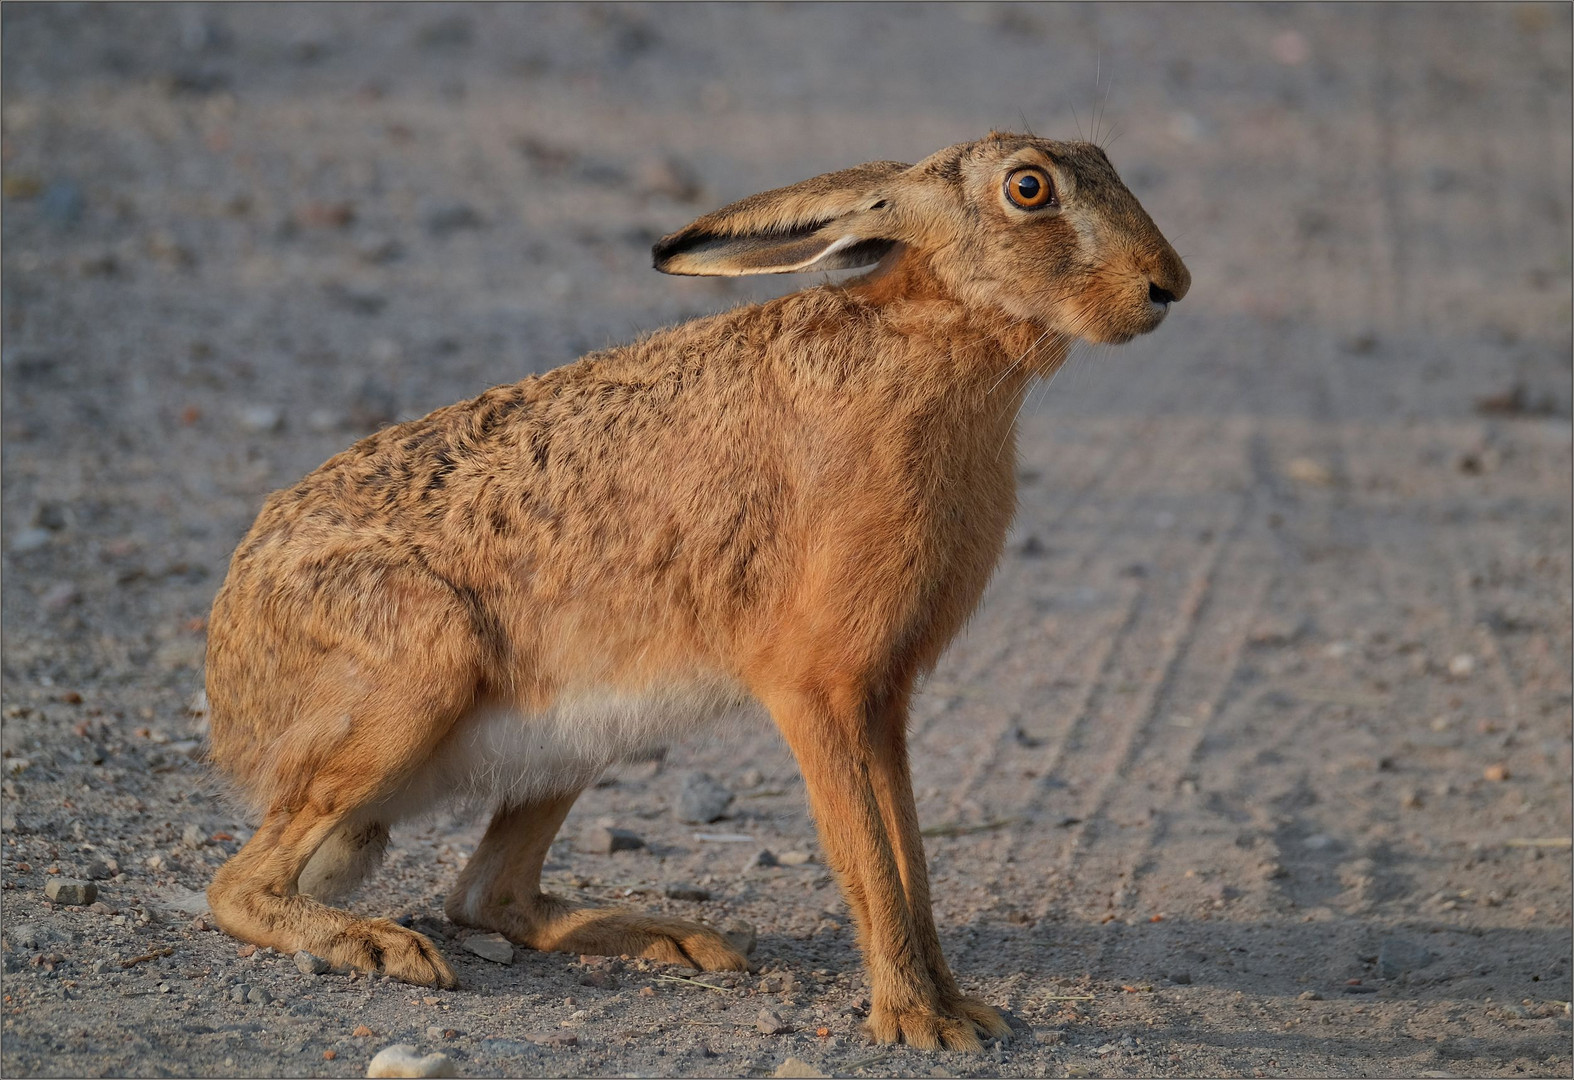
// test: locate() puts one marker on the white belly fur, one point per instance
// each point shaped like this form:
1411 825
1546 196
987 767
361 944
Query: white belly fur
500 756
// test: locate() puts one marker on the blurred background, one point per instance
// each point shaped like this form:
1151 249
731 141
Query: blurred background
1291 578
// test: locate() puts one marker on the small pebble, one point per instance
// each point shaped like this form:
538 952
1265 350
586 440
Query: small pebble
493 947
770 1023
101 868
762 858
258 996
238 993
1462 665
1496 773
194 836
796 1067
1310 995
402 1060
70 892
794 858
1180 978
778 982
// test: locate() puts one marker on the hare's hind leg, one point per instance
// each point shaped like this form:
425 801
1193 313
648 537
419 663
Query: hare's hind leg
254 898
322 791
500 889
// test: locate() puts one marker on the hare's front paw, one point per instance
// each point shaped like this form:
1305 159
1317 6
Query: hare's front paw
986 1018
923 1026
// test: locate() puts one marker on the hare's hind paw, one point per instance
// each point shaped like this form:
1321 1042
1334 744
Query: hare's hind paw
387 948
553 925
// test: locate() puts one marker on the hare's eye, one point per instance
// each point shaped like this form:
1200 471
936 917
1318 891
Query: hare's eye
1030 188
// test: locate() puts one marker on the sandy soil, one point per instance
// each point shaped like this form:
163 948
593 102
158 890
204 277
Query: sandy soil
1256 760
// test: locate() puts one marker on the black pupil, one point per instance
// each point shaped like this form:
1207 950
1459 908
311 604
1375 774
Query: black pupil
1028 187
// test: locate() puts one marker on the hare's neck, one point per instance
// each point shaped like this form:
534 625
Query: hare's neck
1003 350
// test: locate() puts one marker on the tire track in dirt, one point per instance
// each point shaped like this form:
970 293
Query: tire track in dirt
1017 606
1022 610
1107 808
1125 639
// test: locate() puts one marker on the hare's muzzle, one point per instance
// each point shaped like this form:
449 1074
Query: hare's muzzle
1168 278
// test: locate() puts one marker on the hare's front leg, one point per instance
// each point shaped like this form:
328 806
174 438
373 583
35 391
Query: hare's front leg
893 788
844 751
500 889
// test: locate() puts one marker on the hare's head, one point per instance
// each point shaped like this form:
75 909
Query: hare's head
1037 230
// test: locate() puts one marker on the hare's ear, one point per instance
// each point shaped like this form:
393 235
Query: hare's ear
831 222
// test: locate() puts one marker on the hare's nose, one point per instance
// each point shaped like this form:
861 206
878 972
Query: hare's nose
1158 295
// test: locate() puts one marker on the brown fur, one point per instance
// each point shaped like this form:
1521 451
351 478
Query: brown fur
804 498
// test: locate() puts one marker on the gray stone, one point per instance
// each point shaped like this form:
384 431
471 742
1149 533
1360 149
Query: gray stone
794 858
1396 957
702 799
194 836
762 858
238 993
310 963
258 996
98 869
1180 978
493 947
769 1023
604 840
70 891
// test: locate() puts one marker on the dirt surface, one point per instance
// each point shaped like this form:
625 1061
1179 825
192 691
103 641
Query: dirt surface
1256 760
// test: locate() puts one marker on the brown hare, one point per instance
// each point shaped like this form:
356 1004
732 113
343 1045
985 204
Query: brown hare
791 505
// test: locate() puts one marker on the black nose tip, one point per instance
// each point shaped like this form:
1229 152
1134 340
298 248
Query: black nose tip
1160 296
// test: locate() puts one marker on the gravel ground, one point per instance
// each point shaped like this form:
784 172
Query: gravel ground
1256 760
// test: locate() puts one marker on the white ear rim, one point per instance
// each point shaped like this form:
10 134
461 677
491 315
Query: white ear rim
810 264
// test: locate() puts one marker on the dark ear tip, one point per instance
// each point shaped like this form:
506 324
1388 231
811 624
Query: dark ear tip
662 251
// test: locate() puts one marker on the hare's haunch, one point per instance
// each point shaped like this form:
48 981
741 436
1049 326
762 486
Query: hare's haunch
791 506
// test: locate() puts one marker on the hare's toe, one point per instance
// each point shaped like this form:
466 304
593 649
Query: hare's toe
923 1027
696 946
986 1018
387 948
